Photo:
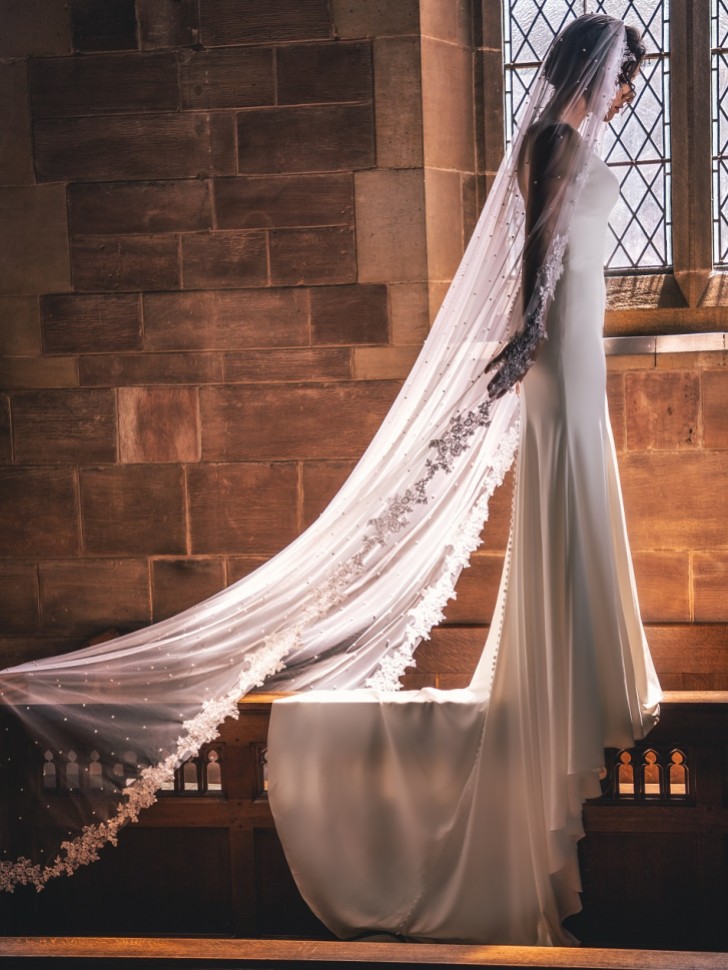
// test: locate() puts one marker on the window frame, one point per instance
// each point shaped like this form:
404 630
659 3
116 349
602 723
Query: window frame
690 297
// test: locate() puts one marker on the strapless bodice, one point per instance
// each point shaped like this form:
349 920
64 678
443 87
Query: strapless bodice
588 231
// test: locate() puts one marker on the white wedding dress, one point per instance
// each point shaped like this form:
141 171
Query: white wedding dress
454 815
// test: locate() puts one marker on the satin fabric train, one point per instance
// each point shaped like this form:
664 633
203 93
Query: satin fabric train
455 815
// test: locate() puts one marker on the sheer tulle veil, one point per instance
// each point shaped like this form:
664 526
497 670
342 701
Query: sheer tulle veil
345 604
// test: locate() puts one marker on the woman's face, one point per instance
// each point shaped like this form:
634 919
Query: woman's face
623 97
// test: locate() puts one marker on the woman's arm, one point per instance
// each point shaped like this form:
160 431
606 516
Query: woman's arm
547 177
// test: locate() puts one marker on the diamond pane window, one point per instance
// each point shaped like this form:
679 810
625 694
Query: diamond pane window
720 131
637 143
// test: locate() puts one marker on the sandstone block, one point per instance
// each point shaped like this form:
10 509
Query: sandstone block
437 291
19 611
451 650
219 259
320 73
666 501
321 481
447 106
163 146
98 25
230 77
715 408
617 408
240 566
334 421
133 510
390 226
33 27
477 589
121 370
470 207
349 314
226 321
259 21
16 146
65 426
398 99
298 364
663 410
108 208
168 23
158 424
284 201
38 372
383 363
299 256
495 532
178 584
21 649
492 71
625 362
447 21
693 649
375 18
33 239
452 681
710 569
445 239
38 513
20 329
242 508
409 313
74 324
65 86
125 262
663 586
414 680
314 138
92 595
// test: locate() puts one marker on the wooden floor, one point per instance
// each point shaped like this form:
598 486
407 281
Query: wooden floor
119 952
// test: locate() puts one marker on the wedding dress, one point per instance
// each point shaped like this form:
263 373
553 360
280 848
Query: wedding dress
345 605
454 815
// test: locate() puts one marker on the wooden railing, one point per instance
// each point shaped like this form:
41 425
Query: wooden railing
206 858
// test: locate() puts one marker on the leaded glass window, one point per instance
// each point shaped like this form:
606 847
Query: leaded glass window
637 144
720 131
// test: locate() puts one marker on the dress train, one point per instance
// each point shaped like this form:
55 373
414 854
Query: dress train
454 815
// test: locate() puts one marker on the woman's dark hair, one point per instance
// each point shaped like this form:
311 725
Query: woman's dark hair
636 50
568 59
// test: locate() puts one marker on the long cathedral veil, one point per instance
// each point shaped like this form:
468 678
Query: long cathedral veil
346 603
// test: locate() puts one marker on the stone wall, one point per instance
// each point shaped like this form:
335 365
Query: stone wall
224 228
214 276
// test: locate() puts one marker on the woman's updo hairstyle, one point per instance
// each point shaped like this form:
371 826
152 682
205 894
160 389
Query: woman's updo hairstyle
567 63
636 50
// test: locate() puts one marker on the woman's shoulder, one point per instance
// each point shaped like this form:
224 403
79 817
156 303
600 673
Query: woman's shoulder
553 131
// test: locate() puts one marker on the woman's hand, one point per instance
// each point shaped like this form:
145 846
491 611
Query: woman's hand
511 363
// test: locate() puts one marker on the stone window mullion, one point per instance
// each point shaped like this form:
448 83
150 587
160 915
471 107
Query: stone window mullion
691 148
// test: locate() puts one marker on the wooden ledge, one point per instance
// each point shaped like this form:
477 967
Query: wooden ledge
669 697
272 952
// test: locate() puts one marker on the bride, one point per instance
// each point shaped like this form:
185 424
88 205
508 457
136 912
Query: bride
461 819
434 815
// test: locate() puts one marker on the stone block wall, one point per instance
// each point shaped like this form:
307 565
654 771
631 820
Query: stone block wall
225 226
213 278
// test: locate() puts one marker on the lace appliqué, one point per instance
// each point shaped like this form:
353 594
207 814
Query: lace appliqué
450 446
520 353
428 612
